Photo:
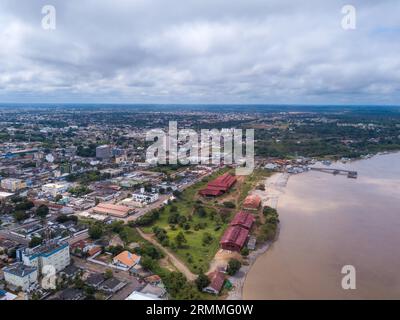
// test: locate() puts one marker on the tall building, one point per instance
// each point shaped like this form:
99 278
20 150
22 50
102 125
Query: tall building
52 253
103 152
20 275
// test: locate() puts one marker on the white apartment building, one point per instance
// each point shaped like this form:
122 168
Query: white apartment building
55 188
20 275
145 197
54 254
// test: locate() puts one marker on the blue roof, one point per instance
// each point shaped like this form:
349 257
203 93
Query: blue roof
2 293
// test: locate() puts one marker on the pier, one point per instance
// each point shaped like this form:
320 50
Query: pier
349 173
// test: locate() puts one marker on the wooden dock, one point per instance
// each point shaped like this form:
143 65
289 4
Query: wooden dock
349 173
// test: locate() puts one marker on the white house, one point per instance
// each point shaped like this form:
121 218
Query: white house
145 197
55 188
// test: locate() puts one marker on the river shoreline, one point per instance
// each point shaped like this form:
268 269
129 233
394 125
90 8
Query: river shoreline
327 222
274 187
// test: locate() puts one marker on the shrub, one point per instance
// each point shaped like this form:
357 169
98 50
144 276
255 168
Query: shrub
229 204
233 266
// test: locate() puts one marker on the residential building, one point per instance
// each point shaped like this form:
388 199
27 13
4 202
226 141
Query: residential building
5 195
55 189
21 276
156 291
135 295
145 197
72 294
217 280
4 295
112 285
12 184
103 152
52 253
126 259
95 280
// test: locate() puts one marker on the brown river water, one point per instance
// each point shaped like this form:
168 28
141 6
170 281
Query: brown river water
330 221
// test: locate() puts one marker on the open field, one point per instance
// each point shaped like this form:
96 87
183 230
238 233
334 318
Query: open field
195 252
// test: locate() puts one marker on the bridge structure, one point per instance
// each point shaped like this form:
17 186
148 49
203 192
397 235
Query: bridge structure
349 173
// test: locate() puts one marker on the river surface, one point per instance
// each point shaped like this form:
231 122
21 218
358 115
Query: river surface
330 221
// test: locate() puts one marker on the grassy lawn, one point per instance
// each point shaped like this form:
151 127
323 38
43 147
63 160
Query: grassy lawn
196 255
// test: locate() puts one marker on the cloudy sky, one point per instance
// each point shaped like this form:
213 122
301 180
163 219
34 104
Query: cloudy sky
200 51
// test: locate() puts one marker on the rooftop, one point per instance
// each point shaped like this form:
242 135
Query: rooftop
20 270
111 209
127 258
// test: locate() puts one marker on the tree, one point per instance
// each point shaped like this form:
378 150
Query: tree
207 238
233 266
147 262
173 218
35 242
96 231
42 211
229 204
180 239
20 215
202 281
108 274
200 211
24 205
244 251
177 193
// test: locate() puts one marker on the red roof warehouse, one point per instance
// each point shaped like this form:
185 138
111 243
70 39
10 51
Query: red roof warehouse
243 219
218 186
234 238
236 235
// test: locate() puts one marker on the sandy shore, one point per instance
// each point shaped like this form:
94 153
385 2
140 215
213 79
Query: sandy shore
274 187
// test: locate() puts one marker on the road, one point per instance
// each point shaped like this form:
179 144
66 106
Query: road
7 235
174 260
160 202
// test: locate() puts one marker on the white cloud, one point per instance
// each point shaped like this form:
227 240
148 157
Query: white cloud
200 51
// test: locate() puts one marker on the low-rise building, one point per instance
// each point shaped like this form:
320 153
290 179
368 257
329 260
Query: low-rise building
112 210
145 197
156 291
217 280
4 295
234 238
112 285
252 203
135 295
126 260
21 276
12 184
55 189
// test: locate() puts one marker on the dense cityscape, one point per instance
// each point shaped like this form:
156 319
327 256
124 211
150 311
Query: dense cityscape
77 194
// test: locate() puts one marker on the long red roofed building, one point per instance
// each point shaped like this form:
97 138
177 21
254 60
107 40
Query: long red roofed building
234 238
243 219
236 235
218 186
